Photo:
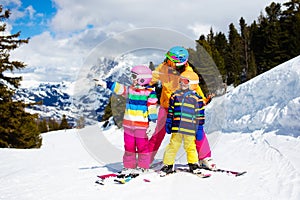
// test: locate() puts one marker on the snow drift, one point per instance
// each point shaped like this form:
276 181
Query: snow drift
269 102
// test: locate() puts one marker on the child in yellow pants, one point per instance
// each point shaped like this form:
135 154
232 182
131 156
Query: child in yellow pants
185 121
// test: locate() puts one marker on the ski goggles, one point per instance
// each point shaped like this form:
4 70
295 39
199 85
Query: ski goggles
135 76
178 63
174 65
184 81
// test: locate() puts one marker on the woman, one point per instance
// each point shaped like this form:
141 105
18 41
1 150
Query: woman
168 72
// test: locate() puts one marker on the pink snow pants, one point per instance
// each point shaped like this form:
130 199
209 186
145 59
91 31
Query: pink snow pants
202 146
136 148
159 133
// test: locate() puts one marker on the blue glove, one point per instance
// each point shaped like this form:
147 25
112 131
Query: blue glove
169 126
152 118
199 133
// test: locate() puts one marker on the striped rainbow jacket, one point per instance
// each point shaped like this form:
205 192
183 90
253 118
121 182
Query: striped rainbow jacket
141 104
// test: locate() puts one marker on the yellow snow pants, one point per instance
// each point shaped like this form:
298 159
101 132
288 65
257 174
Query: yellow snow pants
174 145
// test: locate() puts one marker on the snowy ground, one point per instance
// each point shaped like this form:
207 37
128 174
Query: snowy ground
63 169
257 131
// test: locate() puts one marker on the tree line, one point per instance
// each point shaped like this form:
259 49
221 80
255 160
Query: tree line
256 48
50 124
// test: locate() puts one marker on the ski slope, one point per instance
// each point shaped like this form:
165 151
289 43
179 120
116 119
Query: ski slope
254 128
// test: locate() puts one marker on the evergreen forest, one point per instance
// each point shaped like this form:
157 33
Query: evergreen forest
249 50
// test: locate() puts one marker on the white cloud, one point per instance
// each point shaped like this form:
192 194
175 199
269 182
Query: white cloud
177 15
53 59
200 29
30 11
10 2
80 25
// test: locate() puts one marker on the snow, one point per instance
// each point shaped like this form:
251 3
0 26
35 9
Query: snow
269 102
254 127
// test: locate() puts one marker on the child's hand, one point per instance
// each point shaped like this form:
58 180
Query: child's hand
169 126
100 83
209 98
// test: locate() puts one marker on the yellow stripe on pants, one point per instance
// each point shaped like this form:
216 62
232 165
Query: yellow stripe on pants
174 145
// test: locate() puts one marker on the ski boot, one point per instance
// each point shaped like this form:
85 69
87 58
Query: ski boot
166 169
208 163
194 168
126 171
140 170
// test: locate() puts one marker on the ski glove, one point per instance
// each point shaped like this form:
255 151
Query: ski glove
152 118
209 98
101 83
199 133
169 126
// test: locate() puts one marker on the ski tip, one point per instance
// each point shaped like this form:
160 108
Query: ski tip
206 175
241 173
146 180
104 176
99 182
122 181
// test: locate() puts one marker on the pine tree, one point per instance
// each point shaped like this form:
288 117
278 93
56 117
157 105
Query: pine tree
43 126
290 29
216 55
53 125
200 60
245 43
64 123
272 49
258 42
266 39
234 66
18 129
221 45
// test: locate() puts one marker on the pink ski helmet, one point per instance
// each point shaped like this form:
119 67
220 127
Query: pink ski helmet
143 74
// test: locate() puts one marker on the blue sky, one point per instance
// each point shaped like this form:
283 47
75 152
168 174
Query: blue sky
64 32
34 16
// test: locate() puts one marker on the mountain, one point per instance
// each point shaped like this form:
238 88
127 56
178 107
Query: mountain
79 98
53 99
257 133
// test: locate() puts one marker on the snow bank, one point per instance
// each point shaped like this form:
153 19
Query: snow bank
270 102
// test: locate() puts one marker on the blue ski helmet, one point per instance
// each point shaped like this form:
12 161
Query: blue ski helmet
178 55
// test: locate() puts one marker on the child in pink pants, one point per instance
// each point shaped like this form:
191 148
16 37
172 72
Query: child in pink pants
140 108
